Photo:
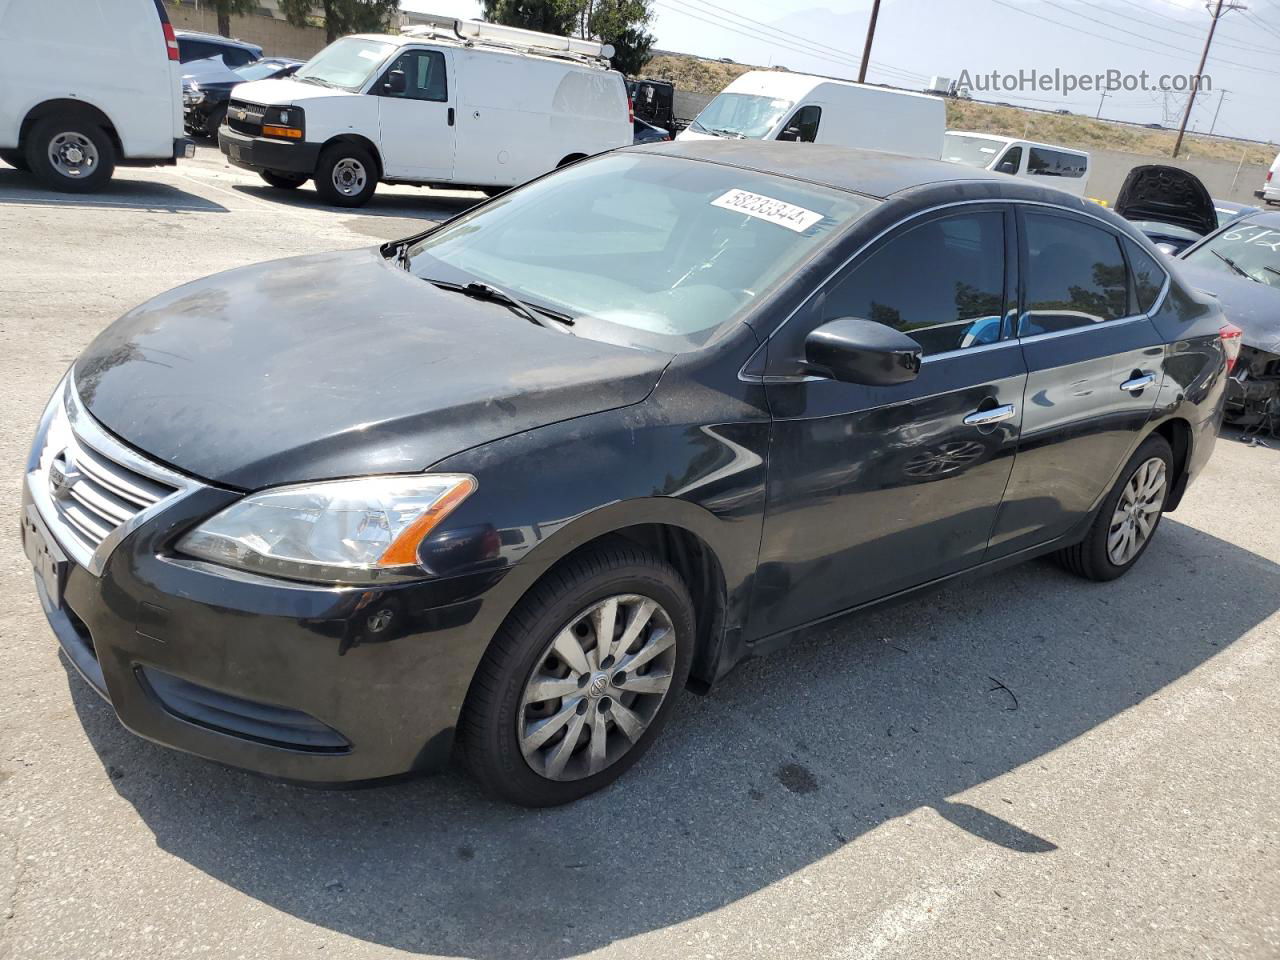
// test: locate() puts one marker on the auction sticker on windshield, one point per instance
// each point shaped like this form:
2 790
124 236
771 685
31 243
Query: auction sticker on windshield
767 208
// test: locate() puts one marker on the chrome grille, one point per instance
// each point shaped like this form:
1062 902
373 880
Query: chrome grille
245 117
90 489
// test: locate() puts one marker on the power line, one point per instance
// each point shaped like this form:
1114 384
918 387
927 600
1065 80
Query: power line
760 25
1248 48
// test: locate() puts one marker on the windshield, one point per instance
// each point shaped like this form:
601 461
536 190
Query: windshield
640 249
971 151
1245 248
258 71
741 115
346 63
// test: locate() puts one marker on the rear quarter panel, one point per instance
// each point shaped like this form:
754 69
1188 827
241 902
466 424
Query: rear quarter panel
880 120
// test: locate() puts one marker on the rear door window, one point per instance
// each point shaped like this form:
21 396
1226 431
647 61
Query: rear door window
1076 275
1055 163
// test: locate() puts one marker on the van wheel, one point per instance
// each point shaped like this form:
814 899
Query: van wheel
15 159
283 181
346 175
70 152
580 678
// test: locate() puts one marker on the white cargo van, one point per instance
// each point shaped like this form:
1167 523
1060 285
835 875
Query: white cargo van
455 102
1069 169
1270 191
779 105
86 86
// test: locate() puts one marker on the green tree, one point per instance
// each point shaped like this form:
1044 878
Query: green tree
225 8
546 16
621 23
342 16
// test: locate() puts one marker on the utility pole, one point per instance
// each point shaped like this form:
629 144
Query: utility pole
1100 103
1215 15
1221 94
871 33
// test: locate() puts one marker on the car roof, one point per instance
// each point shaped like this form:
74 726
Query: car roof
1031 143
868 172
216 38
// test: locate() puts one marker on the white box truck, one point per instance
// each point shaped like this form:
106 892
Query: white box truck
779 105
454 102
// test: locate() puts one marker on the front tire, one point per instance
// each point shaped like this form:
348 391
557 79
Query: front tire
70 152
346 175
580 678
1128 517
283 181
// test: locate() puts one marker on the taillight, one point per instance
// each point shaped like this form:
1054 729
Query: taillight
631 111
1268 176
1231 341
170 41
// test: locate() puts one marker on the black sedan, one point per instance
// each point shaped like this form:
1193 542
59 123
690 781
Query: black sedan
1239 264
515 483
205 94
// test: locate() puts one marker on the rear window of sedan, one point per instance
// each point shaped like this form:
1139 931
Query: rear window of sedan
659 246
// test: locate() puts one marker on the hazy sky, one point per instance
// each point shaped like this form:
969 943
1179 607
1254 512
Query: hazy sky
917 39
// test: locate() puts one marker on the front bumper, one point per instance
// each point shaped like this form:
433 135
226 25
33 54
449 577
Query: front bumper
302 682
265 153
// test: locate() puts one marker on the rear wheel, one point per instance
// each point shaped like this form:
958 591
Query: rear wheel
580 678
1127 519
283 181
15 159
70 152
346 175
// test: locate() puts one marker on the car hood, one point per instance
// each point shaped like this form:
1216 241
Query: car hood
1168 195
338 365
1253 307
283 90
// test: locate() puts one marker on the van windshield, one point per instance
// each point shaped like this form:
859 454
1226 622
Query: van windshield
971 151
640 249
741 115
346 63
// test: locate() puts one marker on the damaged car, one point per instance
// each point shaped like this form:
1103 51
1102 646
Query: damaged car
1239 264
1169 205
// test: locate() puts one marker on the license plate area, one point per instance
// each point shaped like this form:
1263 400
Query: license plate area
233 151
50 563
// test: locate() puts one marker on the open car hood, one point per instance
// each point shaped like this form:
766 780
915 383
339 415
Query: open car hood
1168 195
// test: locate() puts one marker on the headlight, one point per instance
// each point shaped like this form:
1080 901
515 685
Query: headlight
340 531
285 122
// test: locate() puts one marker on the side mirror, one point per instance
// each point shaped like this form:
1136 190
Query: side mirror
862 351
1006 166
396 82
791 133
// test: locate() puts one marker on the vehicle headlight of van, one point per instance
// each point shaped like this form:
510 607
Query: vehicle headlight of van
286 123
339 531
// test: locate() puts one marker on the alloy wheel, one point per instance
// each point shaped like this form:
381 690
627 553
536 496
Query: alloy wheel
73 155
1137 511
596 687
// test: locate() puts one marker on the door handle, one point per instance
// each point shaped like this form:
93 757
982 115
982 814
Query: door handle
985 418
451 116
1138 384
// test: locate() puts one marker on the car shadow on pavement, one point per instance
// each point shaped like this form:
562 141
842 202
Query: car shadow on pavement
789 759
424 204
17 187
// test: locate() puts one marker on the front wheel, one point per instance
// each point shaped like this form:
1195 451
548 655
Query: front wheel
346 175
1128 517
283 181
70 152
580 678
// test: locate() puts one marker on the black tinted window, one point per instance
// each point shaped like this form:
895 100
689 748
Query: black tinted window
189 50
1052 163
237 56
941 282
806 120
423 73
1148 276
1075 275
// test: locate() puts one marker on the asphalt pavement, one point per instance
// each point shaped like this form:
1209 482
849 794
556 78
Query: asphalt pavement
1021 766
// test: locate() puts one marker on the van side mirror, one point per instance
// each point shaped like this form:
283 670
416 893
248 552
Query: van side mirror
1007 166
862 351
396 83
791 133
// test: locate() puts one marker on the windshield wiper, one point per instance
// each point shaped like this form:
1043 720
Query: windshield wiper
1231 263
487 291
323 83
732 134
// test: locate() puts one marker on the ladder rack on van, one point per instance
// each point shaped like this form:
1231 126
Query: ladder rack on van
516 39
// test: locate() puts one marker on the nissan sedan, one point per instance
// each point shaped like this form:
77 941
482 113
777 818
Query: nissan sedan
506 489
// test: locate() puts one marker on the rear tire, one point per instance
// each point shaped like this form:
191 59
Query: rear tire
15 159
1127 520
283 181
346 175
69 151
600 703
